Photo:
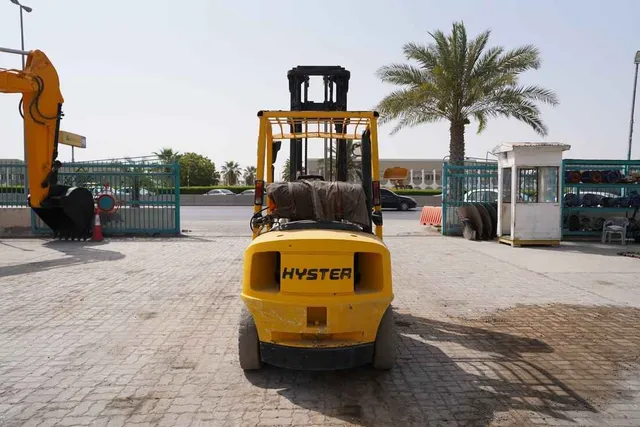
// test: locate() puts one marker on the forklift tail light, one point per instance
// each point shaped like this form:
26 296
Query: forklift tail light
376 192
259 192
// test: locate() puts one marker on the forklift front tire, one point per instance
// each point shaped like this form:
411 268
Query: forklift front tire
384 353
248 342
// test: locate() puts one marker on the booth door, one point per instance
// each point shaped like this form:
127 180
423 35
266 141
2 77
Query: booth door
505 226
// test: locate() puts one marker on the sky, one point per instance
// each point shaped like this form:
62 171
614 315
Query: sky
140 75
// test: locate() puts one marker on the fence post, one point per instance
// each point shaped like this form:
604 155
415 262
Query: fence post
176 174
445 180
561 198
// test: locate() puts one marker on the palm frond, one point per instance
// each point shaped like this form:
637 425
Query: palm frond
402 74
414 118
486 63
395 103
481 118
424 55
519 60
537 93
422 101
511 104
525 112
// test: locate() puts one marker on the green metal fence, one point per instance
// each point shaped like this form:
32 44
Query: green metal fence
468 183
12 192
147 194
596 190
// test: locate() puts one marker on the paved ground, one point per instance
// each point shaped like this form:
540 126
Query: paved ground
143 332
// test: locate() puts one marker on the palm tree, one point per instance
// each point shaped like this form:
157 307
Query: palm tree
167 155
457 80
231 172
354 161
285 170
250 175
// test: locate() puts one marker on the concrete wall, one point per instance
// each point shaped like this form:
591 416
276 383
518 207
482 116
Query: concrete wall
15 222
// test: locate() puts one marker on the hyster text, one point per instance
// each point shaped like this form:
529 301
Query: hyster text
316 273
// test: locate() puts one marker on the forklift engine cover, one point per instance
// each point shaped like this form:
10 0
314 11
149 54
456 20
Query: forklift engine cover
319 201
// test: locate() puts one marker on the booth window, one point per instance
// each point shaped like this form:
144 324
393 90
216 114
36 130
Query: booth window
506 185
538 185
549 184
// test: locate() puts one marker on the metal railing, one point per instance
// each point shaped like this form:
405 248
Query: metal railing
469 183
597 190
147 194
12 179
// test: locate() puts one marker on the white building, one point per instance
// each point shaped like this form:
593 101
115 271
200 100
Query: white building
11 172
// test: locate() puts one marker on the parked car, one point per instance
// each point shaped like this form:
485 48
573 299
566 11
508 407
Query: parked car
219 192
125 191
248 192
570 198
122 192
391 200
481 195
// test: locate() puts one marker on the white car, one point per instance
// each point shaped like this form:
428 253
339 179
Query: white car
481 195
219 192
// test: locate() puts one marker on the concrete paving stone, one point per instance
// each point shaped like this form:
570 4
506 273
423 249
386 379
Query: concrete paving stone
134 331
76 421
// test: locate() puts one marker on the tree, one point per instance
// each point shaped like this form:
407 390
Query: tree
231 172
354 161
167 155
197 170
286 170
250 175
458 80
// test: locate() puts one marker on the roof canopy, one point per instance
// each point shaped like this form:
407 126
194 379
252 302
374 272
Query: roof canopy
546 146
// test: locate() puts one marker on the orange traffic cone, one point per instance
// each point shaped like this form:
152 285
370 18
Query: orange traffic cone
97 228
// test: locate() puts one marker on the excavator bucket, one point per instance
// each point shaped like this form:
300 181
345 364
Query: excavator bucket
68 211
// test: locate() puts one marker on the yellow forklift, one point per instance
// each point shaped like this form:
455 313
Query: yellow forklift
317 284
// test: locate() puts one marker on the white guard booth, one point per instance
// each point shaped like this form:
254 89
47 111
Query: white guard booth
529 196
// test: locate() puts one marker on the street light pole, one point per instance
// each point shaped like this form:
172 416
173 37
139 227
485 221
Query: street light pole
21 36
24 136
28 10
633 103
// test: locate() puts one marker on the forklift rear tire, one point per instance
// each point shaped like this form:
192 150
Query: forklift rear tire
248 342
384 353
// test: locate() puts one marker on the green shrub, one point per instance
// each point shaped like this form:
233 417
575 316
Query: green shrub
11 189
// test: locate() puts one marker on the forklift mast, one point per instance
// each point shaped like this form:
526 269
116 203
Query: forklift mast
336 86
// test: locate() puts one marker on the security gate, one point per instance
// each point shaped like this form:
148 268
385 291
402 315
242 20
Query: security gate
475 181
147 195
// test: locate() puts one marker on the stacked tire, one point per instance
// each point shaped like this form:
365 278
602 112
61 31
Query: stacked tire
479 220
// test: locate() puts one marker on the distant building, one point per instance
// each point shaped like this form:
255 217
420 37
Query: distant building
422 173
11 172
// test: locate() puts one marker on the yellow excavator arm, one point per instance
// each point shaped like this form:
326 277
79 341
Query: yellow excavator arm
41 106
68 211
